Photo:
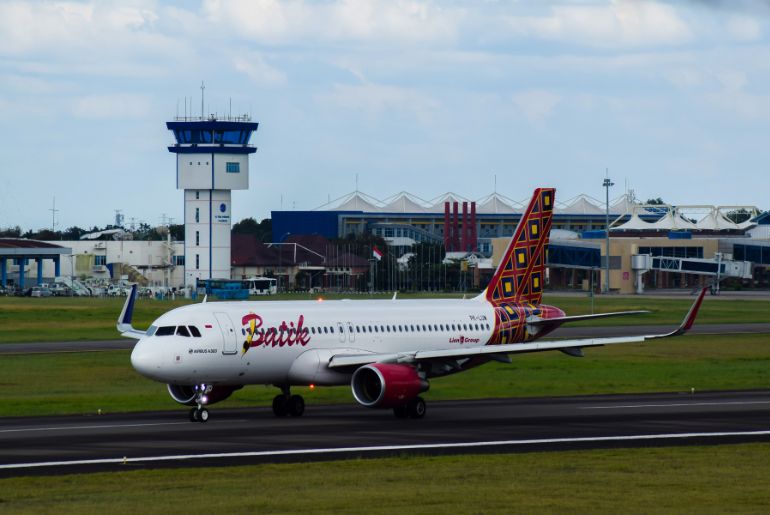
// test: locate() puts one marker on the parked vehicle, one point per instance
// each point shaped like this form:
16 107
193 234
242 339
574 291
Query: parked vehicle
39 291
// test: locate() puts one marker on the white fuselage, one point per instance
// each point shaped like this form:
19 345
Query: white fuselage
259 343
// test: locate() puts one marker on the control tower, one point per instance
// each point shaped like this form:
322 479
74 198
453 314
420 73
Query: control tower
212 159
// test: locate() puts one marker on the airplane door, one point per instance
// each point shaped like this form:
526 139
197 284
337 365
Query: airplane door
342 331
229 338
351 333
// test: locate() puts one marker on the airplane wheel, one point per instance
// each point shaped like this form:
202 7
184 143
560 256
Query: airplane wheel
416 408
280 406
193 414
296 406
202 415
401 411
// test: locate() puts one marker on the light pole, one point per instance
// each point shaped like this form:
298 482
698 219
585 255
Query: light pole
607 183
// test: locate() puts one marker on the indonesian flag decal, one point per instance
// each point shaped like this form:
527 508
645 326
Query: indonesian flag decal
377 253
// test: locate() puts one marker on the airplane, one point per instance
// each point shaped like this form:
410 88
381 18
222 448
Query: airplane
386 350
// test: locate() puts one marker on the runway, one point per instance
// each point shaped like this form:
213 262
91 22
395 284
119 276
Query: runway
55 445
563 332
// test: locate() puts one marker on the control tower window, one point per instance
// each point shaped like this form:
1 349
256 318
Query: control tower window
197 214
233 168
197 261
197 239
197 194
232 137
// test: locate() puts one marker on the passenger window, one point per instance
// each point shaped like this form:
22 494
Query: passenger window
194 331
326 330
166 330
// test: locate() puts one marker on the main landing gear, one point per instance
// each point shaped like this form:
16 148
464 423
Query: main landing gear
287 404
415 408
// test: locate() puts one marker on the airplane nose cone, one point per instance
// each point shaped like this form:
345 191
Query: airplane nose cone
144 360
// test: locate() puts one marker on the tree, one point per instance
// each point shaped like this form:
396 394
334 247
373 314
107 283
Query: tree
262 230
738 216
11 232
655 201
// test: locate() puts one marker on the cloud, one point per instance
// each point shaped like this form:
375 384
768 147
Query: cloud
536 105
259 71
744 28
620 23
114 106
367 21
376 99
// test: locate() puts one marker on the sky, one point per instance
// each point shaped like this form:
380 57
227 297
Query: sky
672 99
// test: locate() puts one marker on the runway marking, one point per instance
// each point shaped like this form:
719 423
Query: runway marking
675 405
338 450
107 426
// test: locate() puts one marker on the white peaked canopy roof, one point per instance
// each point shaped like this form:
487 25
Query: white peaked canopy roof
355 201
437 204
633 224
671 221
580 205
622 205
496 203
404 203
715 221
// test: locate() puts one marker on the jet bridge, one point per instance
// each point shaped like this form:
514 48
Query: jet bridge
718 268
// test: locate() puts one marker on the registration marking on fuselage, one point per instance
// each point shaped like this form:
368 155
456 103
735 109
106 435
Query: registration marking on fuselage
385 448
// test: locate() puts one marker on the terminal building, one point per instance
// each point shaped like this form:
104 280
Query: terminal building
681 247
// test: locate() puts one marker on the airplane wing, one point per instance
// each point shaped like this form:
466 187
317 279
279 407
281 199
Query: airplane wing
124 320
501 352
580 318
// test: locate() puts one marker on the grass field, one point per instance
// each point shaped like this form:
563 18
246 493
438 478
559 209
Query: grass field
74 318
719 479
56 383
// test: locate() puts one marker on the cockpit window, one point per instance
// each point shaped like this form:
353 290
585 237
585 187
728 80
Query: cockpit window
152 330
182 331
166 330
194 331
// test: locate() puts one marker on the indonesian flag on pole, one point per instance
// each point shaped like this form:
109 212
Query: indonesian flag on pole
377 253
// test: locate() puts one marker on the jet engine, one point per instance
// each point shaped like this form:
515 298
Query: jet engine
382 385
187 394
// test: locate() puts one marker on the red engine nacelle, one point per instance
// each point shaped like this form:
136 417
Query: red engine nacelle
186 394
381 385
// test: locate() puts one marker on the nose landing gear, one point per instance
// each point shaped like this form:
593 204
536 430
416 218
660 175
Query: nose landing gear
199 413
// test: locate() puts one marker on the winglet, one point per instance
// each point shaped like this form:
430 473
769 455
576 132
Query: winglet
124 320
689 319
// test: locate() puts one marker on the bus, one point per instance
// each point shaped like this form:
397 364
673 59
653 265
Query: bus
225 289
261 285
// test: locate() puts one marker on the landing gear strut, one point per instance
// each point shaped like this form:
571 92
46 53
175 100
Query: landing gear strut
199 413
415 408
287 404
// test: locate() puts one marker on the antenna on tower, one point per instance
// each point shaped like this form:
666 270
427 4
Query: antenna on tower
203 87
53 211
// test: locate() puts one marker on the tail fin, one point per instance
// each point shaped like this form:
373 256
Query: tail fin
520 274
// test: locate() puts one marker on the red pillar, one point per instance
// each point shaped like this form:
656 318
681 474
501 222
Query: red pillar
447 229
464 242
473 235
455 228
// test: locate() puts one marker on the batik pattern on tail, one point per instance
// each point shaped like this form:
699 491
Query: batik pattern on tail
516 289
519 278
